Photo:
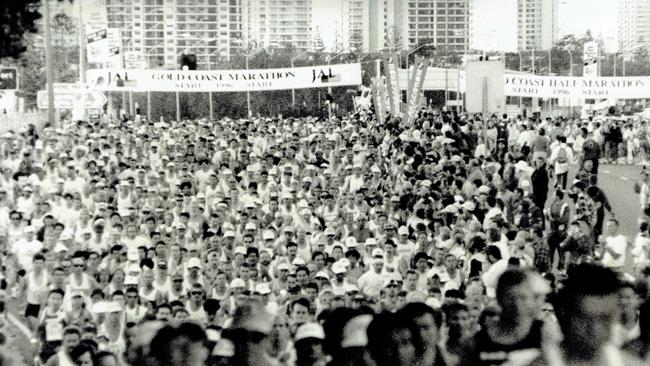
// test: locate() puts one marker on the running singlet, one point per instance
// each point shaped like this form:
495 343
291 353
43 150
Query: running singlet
490 353
37 288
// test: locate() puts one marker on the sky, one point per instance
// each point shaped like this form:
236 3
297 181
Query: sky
326 15
599 16
574 17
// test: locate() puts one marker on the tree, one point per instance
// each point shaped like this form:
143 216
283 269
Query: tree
17 17
63 26
356 41
338 38
394 41
317 41
639 63
31 67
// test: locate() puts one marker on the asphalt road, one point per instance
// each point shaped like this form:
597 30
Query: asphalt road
617 181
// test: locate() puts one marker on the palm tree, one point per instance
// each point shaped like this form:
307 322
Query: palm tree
63 27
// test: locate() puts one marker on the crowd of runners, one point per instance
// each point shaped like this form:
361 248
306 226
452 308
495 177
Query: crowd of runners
304 241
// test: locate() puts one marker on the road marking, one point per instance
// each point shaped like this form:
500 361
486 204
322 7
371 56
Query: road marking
22 327
624 178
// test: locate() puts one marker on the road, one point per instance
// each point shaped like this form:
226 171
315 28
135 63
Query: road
617 181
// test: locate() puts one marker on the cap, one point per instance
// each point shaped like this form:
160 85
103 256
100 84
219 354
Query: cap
237 283
339 268
193 263
355 332
371 241
262 289
224 348
377 252
131 280
113 307
351 242
402 230
268 235
283 266
240 250
322 274
309 330
250 226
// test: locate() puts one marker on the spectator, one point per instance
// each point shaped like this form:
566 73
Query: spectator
587 313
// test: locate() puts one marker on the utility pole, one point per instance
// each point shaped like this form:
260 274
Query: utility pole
49 75
82 44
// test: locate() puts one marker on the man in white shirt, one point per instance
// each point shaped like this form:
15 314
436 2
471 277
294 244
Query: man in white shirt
614 246
561 157
25 249
371 282
498 265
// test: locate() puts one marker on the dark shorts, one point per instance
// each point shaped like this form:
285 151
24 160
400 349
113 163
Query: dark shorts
32 310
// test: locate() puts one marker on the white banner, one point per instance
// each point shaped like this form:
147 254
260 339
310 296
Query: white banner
631 87
225 80
438 78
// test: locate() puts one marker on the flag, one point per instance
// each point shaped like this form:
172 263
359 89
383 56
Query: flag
392 82
417 82
379 99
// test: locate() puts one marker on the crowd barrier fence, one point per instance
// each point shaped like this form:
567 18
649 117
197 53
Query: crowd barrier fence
15 121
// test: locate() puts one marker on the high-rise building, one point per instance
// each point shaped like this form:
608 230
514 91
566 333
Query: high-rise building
537 24
633 26
278 23
511 25
161 30
445 23
355 26
386 24
405 24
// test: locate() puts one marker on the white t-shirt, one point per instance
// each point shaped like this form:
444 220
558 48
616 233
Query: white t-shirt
24 251
618 244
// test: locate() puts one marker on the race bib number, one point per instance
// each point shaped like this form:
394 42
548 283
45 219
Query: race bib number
53 330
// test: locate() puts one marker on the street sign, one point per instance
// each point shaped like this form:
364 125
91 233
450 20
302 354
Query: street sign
590 57
97 36
8 78
70 86
134 60
67 99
